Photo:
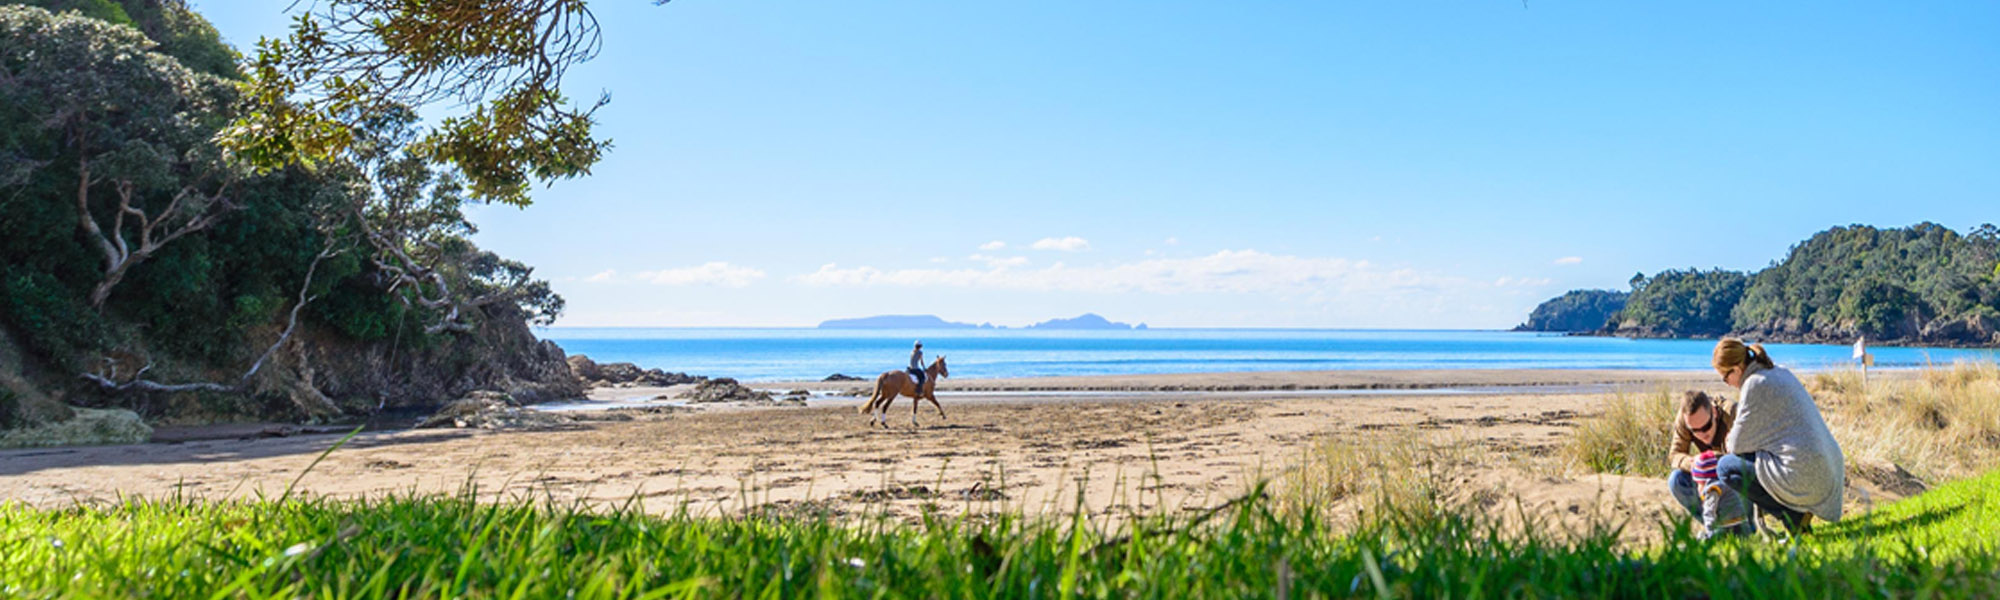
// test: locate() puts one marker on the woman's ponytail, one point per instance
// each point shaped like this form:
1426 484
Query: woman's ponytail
1759 356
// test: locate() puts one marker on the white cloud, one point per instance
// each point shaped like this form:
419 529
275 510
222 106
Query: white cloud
712 273
993 245
1228 271
939 260
1067 244
1173 241
603 276
1570 260
1000 262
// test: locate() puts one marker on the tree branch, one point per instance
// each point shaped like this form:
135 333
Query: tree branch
292 322
138 384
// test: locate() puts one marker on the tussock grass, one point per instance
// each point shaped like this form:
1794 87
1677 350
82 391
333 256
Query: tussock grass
1940 424
1401 472
1630 436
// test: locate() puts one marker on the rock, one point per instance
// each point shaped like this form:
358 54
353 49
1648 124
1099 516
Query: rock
799 393
501 353
1888 476
724 389
486 409
87 426
586 370
1973 329
841 377
624 374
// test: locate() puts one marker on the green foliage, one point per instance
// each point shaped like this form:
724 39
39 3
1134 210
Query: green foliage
1578 310
349 59
86 96
10 408
1924 283
1685 303
180 32
102 10
48 316
1884 283
433 546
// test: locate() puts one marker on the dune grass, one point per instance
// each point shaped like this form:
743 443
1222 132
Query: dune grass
1940 424
1630 436
457 546
1389 472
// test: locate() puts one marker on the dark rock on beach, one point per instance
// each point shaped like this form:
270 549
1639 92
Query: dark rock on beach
841 377
624 374
491 410
724 389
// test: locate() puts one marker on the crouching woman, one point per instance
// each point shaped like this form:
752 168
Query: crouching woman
1698 437
1781 455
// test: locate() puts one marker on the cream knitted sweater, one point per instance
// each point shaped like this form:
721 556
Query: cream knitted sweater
1798 461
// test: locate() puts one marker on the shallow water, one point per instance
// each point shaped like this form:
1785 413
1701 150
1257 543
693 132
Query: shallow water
810 354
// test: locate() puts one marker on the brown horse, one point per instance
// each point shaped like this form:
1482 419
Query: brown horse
898 383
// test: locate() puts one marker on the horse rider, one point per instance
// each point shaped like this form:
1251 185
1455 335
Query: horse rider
917 364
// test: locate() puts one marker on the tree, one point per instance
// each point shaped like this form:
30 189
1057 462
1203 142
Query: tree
503 62
410 217
130 127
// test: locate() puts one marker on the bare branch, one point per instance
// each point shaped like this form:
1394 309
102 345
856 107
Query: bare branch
292 322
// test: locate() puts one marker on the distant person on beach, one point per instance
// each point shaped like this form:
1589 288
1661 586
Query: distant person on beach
1781 455
917 364
1699 431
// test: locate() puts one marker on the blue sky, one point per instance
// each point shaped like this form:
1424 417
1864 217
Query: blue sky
1309 164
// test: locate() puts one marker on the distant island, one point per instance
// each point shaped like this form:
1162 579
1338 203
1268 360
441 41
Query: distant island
1920 285
1085 321
897 322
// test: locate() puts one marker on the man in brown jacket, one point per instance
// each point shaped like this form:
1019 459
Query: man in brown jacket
1701 426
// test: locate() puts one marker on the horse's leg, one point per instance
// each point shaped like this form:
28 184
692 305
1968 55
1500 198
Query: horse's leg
931 395
875 408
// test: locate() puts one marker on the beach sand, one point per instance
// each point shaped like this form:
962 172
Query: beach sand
1157 448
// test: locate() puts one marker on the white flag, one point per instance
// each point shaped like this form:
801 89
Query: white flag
1860 349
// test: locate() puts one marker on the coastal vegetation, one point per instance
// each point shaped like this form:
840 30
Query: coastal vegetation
1576 310
148 266
1924 284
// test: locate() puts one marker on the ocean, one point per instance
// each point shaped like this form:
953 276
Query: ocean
757 355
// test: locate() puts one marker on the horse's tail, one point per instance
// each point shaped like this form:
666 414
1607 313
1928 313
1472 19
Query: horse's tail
874 394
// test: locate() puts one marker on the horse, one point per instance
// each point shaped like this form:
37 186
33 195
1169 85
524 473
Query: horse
894 383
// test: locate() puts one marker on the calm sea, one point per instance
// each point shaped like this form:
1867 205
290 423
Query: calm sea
811 354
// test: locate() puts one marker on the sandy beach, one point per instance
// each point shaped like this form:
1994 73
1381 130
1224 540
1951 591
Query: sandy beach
1166 442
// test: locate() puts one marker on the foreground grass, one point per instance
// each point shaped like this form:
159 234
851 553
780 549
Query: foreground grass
1938 545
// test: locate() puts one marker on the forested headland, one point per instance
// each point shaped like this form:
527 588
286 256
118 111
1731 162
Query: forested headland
172 246
1920 285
